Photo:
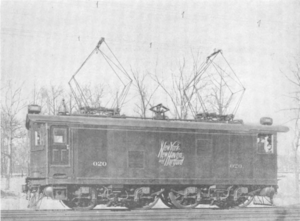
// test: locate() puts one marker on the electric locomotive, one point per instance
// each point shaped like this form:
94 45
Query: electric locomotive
90 160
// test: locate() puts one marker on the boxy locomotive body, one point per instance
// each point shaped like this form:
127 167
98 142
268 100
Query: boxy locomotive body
89 160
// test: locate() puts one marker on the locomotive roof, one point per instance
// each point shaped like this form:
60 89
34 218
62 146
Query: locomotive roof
92 120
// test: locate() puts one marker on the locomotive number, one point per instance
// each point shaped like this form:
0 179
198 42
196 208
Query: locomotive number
236 166
99 164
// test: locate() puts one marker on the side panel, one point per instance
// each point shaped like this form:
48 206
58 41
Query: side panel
204 156
90 147
224 158
116 154
212 155
136 153
219 161
169 156
241 157
131 156
175 155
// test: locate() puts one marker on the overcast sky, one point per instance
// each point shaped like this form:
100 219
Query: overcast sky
45 42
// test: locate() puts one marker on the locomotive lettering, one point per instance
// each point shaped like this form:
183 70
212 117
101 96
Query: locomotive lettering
99 164
170 154
236 166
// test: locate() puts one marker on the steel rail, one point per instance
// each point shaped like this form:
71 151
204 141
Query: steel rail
272 213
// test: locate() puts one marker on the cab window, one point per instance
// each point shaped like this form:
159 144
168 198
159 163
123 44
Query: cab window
265 144
38 137
59 135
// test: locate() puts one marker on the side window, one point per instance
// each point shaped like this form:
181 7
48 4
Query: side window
59 135
265 144
38 137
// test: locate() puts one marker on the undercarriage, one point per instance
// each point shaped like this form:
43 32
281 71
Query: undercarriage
86 197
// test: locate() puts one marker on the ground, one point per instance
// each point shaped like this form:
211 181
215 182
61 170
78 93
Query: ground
13 199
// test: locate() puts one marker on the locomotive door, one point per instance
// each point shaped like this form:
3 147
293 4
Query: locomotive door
59 151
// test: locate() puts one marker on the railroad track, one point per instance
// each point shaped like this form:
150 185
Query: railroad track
265 214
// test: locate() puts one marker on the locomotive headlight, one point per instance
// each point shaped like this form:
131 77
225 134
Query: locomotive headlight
34 109
266 121
48 191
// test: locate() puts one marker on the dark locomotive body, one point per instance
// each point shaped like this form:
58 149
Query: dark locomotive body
86 161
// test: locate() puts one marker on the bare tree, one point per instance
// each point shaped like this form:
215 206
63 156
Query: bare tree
218 99
94 95
55 99
49 98
12 128
182 88
294 78
70 103
21 152
141 83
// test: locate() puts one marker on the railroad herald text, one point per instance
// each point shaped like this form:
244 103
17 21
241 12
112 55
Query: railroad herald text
170 154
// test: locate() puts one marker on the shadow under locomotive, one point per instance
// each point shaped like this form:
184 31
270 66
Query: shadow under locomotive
87 160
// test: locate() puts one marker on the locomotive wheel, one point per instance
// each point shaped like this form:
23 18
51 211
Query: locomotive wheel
244 201
84 203
144 203
164 198
148 204
223 205
34 201
181 202
67 204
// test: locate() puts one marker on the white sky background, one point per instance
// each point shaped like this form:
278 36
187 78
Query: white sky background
45 42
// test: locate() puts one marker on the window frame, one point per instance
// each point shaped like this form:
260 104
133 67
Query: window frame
38 129
65 136
264 152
